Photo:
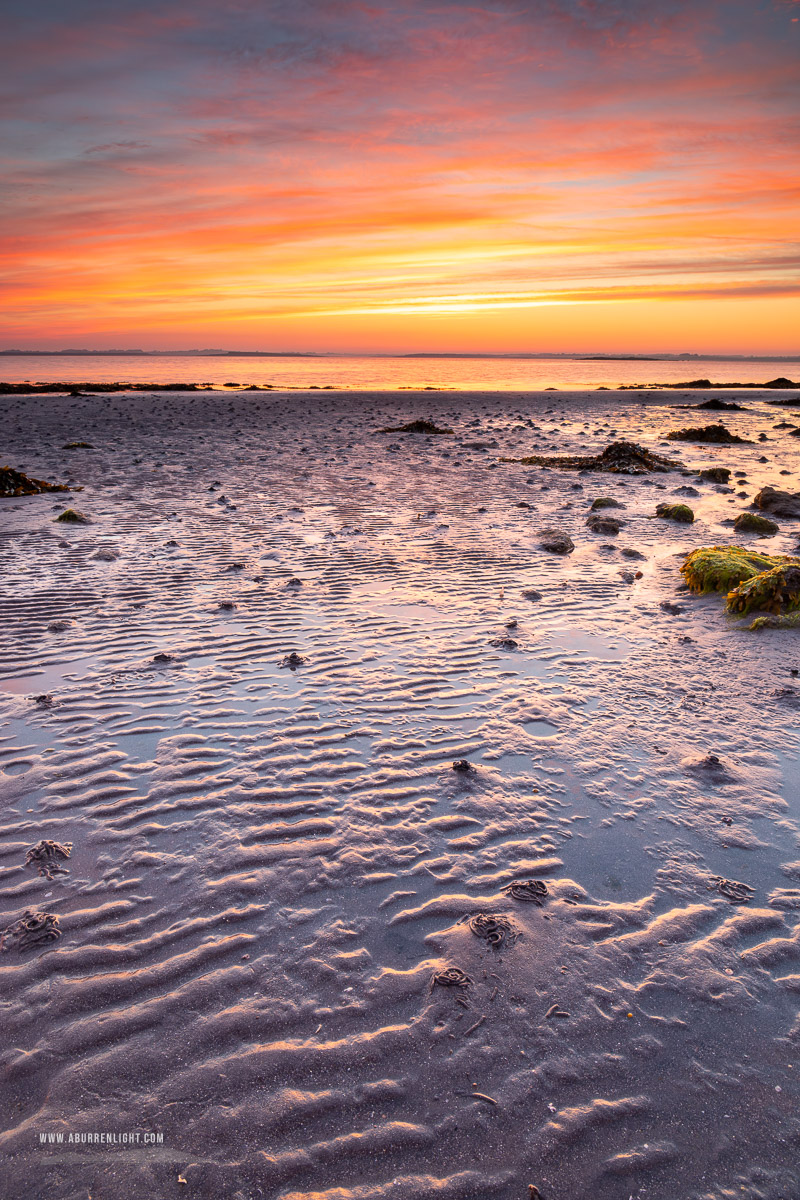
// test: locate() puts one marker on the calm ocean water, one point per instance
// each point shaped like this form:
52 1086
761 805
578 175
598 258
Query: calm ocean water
388 374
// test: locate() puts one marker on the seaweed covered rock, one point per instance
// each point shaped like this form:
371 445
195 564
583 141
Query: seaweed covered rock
788 621
676 512
775 591
781 504
556 541
721 568
620 458
415 427
16 483
715 474
77 446
748 522
717 434
71 516
606 502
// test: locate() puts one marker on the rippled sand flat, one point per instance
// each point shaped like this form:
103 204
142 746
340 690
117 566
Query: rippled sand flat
271 862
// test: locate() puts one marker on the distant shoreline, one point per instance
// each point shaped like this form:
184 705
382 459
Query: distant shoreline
576 357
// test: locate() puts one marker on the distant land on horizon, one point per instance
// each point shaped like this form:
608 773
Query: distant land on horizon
136 353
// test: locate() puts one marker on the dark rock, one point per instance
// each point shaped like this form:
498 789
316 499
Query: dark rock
621 458
556 541
715 474
606 502
676 512
461 764
781 504
717 434
415 427
605 525
71 516
748 522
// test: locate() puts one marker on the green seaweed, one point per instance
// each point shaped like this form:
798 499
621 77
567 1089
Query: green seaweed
748 522
775 591
676 512
722 568
785 621
71 516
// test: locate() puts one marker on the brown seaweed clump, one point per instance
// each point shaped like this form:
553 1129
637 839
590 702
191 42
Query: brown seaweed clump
775 591
32 929
620 458
46 854
16 483
451 977
722 568
415 427
717 434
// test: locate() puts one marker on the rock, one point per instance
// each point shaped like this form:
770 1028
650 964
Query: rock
620 458
717 405
504 643
105 554
16 483
676 512
629 552
606 525
715 474
163 658
774 591
606 502
556 541
77 446
461 764
531 594
705 433
71 516
782 504
669 606
722 568
686 490
415 427
748 522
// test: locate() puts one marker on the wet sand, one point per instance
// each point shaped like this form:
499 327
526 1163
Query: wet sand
271 861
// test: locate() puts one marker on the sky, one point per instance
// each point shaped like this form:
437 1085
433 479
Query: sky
551 175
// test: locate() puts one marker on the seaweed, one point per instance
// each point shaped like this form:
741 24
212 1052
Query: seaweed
774 591
606 502
731 889
77 446
748 522
721 568
45 855
415 427
676 512
71 516
715 474
32 929
717 434
620 458
787 621
16 483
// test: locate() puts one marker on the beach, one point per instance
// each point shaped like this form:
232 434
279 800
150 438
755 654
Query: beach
290 960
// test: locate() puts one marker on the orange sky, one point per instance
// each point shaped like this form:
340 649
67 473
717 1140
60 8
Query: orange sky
550 175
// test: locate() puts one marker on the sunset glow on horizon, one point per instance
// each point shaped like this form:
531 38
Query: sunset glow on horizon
552 175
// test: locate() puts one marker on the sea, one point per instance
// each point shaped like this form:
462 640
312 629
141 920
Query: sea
359 373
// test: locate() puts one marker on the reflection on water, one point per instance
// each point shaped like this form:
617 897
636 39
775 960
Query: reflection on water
385 374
